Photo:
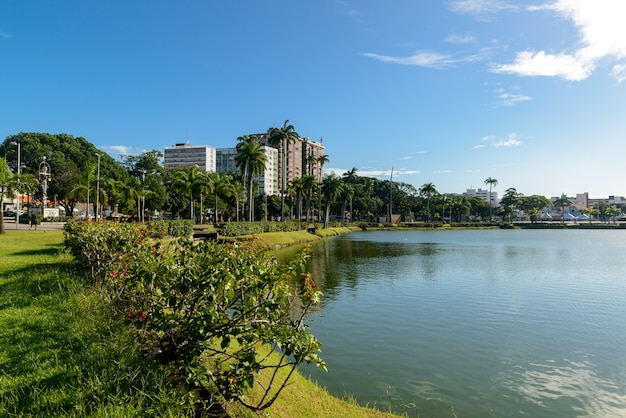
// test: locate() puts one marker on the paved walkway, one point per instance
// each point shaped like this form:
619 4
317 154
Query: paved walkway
9 225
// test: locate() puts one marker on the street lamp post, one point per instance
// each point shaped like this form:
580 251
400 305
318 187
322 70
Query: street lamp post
19 170
97 190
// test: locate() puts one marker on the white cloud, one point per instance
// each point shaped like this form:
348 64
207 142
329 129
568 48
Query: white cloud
442 172
619 72
419 59
464 38
480 8
602 33
371 172
510 99
511 141
117 149
4 35
494 141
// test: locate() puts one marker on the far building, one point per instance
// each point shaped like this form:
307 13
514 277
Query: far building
483 194
302 157
185 155
268 180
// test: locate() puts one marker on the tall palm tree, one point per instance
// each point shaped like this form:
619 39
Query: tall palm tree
188 181
250 160
331 190
309 187
281 138
347 193
311 160
5 181
85 185
562 201
222 188
427 191
350 178
297 185
322 159
492 183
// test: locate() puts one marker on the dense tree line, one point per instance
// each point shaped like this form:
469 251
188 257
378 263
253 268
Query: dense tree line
140 186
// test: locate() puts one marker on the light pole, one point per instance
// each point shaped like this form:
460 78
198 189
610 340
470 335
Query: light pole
97 190
19 163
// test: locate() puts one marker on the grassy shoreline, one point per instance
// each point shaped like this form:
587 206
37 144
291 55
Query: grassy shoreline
62 355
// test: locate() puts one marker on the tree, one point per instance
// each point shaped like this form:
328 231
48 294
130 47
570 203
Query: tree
188 181
322 159
281 138
147 167
331 189
427 191
562 201
250 160
84 187
527 203
491 182
309 187
613 211
509 201
347 193
297 185
5 181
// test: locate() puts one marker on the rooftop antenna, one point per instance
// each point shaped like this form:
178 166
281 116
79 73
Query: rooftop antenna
187 136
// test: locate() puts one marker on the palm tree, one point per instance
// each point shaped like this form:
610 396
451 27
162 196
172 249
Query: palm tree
322 159
297 185
85 184
189 181
5 181
281 138
250 160
311 160
427 191
331 190
492 183
562 201
309 186
347 193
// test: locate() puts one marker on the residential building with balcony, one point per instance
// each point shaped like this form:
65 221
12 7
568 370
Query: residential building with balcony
268 180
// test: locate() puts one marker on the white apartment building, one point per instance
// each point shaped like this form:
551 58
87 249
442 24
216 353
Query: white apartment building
185 155
268 180
483 194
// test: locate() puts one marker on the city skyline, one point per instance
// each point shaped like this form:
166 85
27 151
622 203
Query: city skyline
449 93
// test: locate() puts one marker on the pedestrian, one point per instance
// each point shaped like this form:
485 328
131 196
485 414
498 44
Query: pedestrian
33 220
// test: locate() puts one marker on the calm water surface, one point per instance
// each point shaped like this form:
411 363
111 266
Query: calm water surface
496 323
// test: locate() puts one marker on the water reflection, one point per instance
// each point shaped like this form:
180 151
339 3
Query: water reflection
569 386
461 323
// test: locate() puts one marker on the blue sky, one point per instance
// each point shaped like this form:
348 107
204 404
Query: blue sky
531 93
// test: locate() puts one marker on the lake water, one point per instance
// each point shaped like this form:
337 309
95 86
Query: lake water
493 323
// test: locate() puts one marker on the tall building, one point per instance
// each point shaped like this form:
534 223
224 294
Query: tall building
302 157
484 195
268 180
185 155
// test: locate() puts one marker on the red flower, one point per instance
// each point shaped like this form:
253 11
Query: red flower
113 272
142 315
131 314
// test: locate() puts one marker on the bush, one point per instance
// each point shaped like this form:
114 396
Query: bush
180 228
237 229
203 310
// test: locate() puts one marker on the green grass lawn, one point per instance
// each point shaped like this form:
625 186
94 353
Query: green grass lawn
62 354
